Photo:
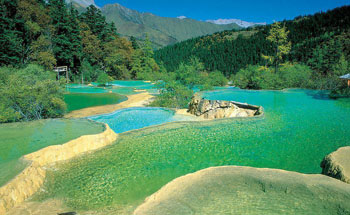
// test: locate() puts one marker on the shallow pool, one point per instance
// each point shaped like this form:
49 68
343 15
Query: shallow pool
298 129
75 88
138 85
77 101
18 139
120 87
135 118
134 84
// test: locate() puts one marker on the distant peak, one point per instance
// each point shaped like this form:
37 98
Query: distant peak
83 3
181 17
239 22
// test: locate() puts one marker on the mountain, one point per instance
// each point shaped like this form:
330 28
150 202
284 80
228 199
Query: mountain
161 30
239 22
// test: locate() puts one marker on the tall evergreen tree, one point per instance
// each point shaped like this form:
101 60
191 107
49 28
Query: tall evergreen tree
134 43
65 39
75 38
97 23
11 34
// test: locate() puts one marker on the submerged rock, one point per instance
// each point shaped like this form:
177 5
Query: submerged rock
246 190
217 109
337 164
68 213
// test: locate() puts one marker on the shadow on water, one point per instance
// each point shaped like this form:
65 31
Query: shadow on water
318 94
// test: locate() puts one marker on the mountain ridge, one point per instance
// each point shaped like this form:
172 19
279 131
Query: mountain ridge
161 30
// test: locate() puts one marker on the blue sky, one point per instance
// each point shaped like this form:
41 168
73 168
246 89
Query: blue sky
247 10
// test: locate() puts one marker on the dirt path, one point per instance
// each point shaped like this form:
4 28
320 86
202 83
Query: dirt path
137 100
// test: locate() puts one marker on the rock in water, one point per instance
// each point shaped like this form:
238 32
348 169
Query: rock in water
68 213
216 109
337 164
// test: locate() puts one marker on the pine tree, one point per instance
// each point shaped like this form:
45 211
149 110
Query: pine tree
11 34
75 38
66 37
97 23
134 43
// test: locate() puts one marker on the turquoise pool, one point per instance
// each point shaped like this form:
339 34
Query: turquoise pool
134 84
18 139
139 85
135 118
120 87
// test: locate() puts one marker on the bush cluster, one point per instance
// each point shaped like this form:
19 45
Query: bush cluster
29 94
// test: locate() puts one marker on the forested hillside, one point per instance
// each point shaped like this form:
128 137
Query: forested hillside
38 35
317 40
53 34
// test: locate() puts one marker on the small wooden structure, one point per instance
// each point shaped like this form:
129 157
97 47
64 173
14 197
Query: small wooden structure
60 69
346 77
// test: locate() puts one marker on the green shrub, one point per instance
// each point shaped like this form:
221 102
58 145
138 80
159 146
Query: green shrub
103 79
29 94
90 73
247 78
176 89
296 75
172 95
216 78
288 76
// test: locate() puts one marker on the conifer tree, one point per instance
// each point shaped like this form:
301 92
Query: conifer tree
65 39
97 23
134 43
75 38
11 34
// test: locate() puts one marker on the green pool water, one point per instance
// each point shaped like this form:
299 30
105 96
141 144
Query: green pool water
77 101
298 129
18 139
139 85
135 84
120 87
